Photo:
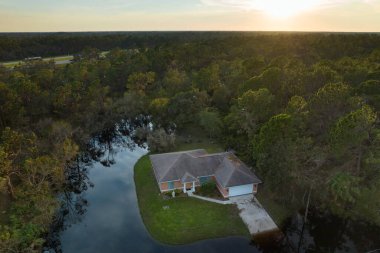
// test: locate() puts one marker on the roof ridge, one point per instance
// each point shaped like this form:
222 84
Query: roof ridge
186 172
241 164
179 152
244 172
213 154
230 172
171 166
184 154
187 175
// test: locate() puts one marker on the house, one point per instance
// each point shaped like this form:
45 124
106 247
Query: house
188 169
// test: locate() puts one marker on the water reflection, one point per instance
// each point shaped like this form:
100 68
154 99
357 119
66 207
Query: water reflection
325 232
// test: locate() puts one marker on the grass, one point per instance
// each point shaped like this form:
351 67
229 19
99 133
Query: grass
195 138
187 219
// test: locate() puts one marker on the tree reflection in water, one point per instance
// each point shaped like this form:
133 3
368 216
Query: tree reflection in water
325 232
101 148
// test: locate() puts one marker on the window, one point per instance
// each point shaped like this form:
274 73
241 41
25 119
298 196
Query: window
170 185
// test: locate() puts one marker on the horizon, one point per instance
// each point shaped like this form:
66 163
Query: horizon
191 15
189 31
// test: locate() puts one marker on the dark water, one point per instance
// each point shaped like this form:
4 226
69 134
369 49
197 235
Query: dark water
100 214
327 233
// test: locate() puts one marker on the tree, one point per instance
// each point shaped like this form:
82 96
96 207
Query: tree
344 189
232 73
14 149
42 173
207 78
184 106
366 206
251 110
275 151
351 134
320 75
159 109
353 71
211 122
129 106
370 91
88 54
328 104
159 141
271 79
11 109
221 98
175 81
141 83
32 98
296 105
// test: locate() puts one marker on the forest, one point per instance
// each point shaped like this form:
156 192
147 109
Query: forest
300 108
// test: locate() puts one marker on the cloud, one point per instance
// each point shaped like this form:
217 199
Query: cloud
258 4
244 4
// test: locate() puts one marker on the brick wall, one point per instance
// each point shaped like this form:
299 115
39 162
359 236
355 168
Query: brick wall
164 186
222 190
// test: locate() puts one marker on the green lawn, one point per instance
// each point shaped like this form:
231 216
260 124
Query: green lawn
187 219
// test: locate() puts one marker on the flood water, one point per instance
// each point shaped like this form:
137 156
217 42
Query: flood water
101 214
111 221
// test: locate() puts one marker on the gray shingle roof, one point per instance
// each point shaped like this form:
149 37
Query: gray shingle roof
187 166
163 163
233 172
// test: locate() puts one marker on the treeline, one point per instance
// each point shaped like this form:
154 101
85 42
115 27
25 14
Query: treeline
302 109
17 46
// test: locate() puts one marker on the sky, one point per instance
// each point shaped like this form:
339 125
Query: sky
189 15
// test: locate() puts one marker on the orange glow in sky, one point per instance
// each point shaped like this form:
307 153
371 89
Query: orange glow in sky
185 15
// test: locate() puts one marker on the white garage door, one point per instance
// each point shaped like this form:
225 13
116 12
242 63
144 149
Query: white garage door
240 190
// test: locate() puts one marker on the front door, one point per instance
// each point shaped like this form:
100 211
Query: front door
189 186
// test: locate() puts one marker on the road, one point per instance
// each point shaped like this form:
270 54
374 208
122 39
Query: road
59 60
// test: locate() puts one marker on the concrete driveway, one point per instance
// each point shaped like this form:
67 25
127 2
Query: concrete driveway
253 214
